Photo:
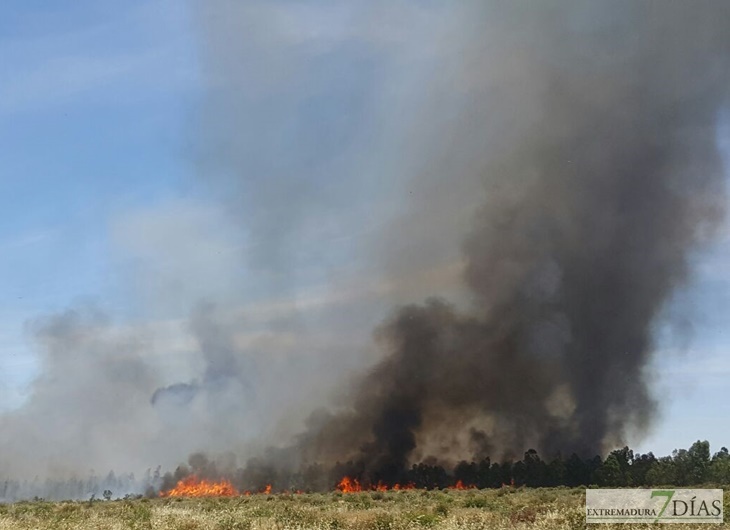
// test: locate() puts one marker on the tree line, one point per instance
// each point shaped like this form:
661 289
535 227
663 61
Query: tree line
620 468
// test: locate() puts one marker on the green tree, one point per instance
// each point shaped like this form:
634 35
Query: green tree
663 472
640 467
625 458
719 469
610 473
699 458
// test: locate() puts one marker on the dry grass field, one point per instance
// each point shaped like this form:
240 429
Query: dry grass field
506 508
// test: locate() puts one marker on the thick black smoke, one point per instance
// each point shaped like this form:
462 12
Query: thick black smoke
541 174
598 196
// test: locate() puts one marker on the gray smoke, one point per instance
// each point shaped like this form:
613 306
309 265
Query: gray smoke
591 213
521 187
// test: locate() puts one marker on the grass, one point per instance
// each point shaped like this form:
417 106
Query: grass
556 508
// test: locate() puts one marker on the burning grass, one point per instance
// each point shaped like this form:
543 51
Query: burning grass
451 509
352 485
192 486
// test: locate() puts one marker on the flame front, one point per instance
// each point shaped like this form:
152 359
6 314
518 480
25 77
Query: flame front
461 486
193 487
349 485
353 485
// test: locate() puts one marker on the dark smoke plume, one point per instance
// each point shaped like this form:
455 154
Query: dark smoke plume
521 186
609 181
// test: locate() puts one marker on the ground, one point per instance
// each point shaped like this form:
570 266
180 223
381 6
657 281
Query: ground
506 508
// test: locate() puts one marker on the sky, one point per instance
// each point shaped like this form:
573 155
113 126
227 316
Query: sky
95 102
105 198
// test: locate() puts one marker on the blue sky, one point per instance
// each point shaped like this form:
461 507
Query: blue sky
94 102
98 107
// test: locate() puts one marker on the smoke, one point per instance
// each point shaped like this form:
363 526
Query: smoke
591 213
93 375
520 188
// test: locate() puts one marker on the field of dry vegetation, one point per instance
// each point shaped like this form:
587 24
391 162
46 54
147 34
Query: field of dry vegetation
548 508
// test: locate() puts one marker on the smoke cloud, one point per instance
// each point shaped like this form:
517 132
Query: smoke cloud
519 188
590 216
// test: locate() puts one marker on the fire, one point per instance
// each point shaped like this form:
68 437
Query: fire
461 486
267 490
352 485
193 487
349 485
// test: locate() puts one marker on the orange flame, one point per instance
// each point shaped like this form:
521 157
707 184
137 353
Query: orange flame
461 486
193 487
380 486
267 490
352 485
349 485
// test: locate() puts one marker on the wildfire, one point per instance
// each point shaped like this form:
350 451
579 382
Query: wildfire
349 485
193 487
461 486
352 485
